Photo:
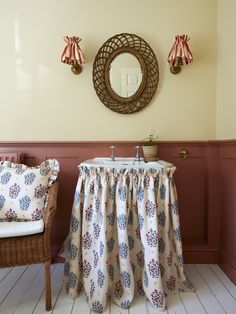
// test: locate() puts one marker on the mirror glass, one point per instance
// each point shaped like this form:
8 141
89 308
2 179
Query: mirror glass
125 75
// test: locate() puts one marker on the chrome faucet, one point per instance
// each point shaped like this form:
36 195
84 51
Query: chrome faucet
137 157
112 153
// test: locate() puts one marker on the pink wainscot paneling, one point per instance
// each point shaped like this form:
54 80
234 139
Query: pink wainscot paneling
197 180
227 251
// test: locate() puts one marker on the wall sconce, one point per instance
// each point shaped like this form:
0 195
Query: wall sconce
180 54
72 54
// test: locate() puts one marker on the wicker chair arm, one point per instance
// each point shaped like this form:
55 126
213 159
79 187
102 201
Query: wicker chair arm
51 205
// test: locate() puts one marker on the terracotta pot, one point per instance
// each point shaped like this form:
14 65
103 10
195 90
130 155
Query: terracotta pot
150 152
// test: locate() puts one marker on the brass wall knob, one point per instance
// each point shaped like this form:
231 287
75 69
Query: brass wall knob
184 153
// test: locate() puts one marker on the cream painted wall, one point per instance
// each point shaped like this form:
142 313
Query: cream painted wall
40 99
226 92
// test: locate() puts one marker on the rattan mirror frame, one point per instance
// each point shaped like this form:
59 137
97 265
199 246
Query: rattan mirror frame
112 48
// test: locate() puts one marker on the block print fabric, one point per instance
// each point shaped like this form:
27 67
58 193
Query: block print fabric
125 238
23 189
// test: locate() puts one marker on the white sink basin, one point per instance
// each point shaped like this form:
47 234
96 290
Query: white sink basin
125 162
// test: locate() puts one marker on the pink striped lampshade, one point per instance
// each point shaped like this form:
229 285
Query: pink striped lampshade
72 54
179 54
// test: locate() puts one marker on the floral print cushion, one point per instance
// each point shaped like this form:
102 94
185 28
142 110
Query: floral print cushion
23 189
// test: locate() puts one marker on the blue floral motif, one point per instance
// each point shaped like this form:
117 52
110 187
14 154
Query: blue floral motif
158 298
97 307
135 181
72 280
86 268
73 251
131 242
146 181
2 201
177 270
174 207
140 220
122 193
95 258
162 192
92 288
39 191
122 221
5 178
112 190
67 269
152 237
145 278
99 182
14 190
123 250
188 284
100 279
161 245
29 178
101 249
181 260
110 244
76 198
153 268
140 194
24 202
96 230
118 291
177 234
125 279
111 271
19 169
171 283
74 223
150 208
162 218
87 240
45 170
97 204
125 304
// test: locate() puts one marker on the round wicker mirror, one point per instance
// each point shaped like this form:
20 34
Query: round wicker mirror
115 46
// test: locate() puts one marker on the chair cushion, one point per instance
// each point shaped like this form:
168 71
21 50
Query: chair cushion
16 229
23 189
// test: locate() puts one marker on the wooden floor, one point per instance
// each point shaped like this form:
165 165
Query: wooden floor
22 292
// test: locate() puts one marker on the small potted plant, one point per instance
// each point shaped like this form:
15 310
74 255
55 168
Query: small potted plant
150 147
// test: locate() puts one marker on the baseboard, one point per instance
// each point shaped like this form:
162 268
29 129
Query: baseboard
227 264
201 254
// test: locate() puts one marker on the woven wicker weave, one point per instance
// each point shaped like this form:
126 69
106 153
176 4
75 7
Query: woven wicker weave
111 49
32 249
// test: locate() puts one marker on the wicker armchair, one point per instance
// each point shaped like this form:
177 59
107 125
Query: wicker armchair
33 249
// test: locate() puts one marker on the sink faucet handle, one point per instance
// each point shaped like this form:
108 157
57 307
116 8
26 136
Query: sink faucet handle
137 157
112 152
